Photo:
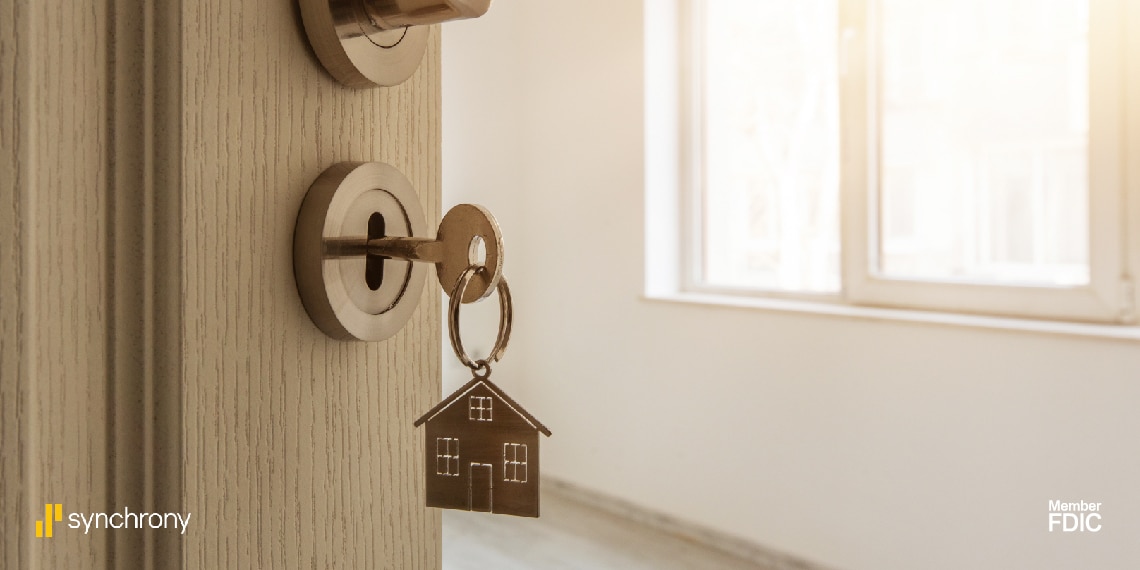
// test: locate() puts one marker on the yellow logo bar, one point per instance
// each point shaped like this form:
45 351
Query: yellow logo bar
51 513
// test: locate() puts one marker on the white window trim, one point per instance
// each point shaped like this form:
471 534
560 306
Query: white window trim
1107 297
673 179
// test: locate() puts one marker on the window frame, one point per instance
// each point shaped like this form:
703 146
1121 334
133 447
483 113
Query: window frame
512 465
691 178
1104 299
485 408
1114 175
447 457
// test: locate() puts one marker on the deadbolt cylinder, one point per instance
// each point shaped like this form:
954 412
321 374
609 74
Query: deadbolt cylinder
392 14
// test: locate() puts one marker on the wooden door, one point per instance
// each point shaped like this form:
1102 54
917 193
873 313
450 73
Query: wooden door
154 353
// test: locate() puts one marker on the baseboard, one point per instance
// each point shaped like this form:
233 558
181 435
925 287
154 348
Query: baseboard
763 557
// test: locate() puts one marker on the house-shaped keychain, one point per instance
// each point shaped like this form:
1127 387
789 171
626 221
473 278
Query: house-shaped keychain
481 449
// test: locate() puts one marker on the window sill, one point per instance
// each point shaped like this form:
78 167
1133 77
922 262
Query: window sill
1084 330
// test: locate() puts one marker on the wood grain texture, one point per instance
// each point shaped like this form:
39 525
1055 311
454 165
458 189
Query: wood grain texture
144 266
53 280
153 351
299 449
14 170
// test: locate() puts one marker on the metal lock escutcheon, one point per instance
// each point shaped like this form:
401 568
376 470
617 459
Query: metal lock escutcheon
337 254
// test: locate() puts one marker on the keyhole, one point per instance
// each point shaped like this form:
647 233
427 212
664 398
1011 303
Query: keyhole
374 264
477 252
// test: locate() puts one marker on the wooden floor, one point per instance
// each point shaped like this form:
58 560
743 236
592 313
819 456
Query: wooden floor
570 535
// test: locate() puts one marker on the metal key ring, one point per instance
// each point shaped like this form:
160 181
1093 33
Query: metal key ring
506 314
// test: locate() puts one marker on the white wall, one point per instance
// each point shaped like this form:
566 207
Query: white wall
853 443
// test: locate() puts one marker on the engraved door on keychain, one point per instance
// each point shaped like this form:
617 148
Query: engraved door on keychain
481 446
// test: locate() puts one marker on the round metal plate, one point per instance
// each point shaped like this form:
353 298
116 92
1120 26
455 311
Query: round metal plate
334 289
356 53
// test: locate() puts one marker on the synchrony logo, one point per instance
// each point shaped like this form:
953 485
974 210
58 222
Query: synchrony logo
53 513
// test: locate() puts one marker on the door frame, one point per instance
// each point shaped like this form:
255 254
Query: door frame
118 78
471 486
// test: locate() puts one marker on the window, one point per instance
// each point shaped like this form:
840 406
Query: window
767 92
479 408
986 185
514 462
958 155
447 456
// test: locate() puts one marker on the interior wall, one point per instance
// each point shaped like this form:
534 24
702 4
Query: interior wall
852 443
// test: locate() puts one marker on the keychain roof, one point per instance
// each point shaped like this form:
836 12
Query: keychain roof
468 387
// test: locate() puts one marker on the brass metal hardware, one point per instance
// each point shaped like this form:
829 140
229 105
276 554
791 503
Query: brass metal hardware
481 367
331 248
392 14
450 251
368 43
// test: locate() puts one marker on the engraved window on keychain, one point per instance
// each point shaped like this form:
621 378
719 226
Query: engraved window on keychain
500 438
